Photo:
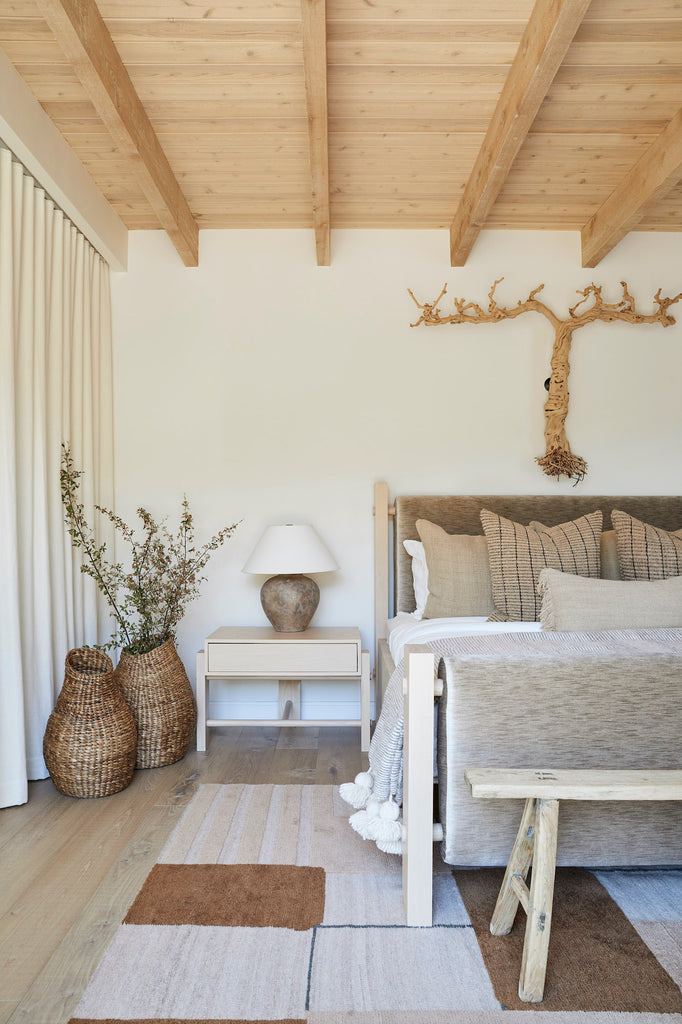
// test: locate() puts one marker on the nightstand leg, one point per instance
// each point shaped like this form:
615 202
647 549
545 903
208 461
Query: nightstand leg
290 691
201 700
364 702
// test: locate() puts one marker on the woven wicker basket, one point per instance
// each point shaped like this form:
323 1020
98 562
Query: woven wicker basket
90 738
156 687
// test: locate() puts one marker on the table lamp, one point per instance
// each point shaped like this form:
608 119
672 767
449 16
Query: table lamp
285 553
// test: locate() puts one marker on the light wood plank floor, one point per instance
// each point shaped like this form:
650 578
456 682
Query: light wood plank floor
71 868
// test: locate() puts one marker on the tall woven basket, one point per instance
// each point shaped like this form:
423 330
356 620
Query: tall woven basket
156 687
90 739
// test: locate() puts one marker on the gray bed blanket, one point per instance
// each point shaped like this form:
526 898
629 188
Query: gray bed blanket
545 699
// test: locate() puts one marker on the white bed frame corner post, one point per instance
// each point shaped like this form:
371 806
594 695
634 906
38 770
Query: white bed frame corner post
420 686
381 596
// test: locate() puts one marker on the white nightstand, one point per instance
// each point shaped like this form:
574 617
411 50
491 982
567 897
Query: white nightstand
259 652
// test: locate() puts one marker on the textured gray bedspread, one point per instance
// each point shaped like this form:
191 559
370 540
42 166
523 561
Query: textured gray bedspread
550 700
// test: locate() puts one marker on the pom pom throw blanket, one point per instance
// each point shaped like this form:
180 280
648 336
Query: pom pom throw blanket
537 700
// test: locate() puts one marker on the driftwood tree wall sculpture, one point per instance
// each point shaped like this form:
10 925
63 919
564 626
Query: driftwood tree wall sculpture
558 459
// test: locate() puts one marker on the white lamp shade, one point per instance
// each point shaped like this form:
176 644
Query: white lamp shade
289 549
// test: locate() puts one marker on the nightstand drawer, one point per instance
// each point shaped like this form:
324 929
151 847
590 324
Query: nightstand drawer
284 659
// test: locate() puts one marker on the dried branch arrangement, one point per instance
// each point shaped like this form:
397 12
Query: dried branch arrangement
558 459
147 600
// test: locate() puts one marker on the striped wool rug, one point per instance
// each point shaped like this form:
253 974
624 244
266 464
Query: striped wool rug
266 906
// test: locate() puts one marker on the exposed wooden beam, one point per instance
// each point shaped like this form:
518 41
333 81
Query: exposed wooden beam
26 129
657 171
547 36
80 30
314 38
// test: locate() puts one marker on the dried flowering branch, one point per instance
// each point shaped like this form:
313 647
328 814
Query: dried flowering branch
147 601
106 575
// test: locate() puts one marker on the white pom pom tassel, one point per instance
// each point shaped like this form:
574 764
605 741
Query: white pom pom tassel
390 810
373 808
364 821
359 792
385 826
359 822
365 779
390 847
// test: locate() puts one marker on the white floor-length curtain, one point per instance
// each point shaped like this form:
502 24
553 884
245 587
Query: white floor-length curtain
55 385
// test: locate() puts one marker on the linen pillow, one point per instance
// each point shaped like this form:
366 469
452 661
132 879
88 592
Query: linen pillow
646 552
574 603
420 575
459 573
518 554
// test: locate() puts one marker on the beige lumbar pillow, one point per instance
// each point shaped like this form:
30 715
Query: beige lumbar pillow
575 604
459 573
518 554
646 552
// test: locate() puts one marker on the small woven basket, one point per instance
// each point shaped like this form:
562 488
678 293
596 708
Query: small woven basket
90 738
159 694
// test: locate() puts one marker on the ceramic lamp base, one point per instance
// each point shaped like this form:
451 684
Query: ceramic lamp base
290 602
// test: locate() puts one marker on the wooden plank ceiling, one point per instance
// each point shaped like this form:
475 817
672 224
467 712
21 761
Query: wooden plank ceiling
561 114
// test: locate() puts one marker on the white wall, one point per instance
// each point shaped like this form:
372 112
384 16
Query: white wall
271 390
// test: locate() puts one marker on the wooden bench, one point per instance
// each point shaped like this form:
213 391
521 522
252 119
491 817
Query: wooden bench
536 843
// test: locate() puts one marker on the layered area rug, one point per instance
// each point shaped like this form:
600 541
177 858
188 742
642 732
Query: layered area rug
266 906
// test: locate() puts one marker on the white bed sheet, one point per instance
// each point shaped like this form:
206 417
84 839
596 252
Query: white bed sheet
406 629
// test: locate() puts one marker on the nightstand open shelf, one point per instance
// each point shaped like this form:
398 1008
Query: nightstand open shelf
259 652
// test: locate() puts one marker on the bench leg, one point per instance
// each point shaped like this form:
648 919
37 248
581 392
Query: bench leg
519 862
536 943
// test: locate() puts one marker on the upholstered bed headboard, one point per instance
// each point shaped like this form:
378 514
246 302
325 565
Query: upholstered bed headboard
460 514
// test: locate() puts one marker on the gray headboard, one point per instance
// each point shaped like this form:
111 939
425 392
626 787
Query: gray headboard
460 514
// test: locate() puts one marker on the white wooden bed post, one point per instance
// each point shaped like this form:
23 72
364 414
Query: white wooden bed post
419 832
381 600
420 687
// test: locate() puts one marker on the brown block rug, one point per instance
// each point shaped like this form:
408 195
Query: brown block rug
597 961
231 895
266 906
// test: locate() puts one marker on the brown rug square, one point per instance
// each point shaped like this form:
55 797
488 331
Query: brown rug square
231 895
597 960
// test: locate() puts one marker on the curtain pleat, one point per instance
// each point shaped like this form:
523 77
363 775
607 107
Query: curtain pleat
55 385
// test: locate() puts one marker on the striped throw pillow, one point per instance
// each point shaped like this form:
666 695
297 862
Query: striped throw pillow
518 554
646 552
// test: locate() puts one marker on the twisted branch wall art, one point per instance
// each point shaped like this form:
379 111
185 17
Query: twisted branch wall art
558 459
